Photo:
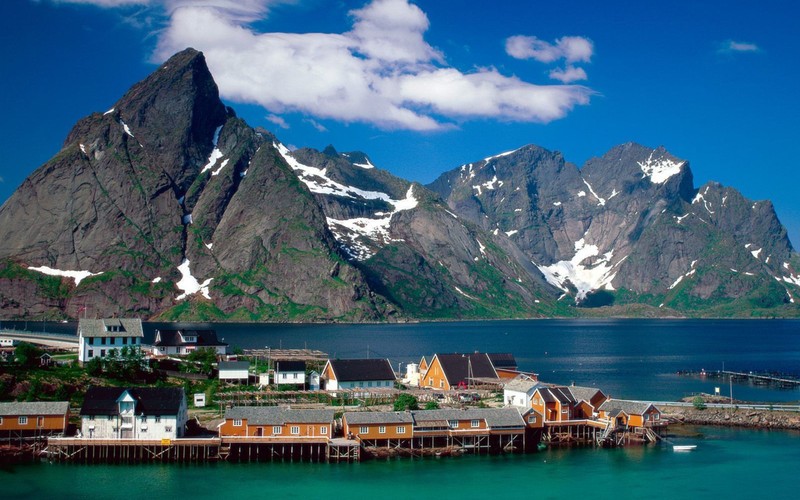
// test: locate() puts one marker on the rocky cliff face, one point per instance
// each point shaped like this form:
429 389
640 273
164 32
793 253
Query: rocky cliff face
169 206
630 227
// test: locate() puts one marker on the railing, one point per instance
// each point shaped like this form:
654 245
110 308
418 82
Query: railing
731 406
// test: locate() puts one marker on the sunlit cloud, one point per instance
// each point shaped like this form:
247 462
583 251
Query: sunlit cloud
381 71
731 47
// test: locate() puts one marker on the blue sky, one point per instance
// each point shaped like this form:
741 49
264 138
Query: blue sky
425 86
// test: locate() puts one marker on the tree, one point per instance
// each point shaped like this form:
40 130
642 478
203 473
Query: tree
27 354
406 401
699 403
431 405
94 367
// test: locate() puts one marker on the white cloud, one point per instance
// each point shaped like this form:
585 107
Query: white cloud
570 48
568 74
381 71
731 46
277 120
320 127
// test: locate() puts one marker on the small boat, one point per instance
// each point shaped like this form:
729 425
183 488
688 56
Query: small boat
684 447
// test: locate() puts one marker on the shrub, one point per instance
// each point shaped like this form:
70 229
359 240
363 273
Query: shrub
699 403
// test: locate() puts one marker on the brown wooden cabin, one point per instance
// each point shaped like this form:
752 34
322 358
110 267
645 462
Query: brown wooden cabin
587 401
423 364
34 418
276 423
374 425
555 404
631 413
458 371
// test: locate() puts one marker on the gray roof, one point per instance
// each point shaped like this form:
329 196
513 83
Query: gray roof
33 408
275 415
583 393
495 417
129 327
521 384
378 417
629 407
556 393
233 365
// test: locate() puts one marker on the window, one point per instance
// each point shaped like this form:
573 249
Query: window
453 424
401 429
276 429
295 429
382 429
110 418
323 429
158 420
144 419
91 418
475 424
168 428
124 340
23 420
90 354
102 353
363 430
294 376
91 341
369 384
237 422
102 341
1 420
441 384
656 416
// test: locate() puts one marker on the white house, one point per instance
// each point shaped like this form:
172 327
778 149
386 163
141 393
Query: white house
184 341
234 371
97 337
8 342
141 413
519 391
357 373
290 372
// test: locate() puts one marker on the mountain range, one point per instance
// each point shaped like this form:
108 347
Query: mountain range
170 207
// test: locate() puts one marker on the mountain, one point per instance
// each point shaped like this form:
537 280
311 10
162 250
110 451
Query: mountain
168 206
630 227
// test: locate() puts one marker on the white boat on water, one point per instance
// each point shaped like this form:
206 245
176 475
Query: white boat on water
684 447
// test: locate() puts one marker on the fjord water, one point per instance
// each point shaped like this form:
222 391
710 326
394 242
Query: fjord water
633 359
626 358
727 464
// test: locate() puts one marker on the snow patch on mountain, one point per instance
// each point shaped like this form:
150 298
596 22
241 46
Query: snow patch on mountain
78 276
359 237
660 169
584 277
600 201
189 284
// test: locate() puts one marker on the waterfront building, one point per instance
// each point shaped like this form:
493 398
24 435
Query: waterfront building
357 373
140 413
290 372
234 371
181 342
98 337
629 414
22 419
276 423
458 371
519 391
504 364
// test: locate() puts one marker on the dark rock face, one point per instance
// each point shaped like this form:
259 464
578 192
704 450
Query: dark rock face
169 206
630 227
162 194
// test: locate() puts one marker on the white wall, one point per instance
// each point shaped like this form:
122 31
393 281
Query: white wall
290 378
333 385
98 347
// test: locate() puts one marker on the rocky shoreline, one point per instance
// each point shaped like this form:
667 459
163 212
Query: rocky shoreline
733 417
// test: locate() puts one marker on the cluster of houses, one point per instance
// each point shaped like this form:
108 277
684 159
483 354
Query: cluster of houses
531 411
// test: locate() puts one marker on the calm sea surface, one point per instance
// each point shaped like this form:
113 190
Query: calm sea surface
626 358
727 464
633 359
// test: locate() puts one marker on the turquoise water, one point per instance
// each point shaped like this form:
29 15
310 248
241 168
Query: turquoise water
728 463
